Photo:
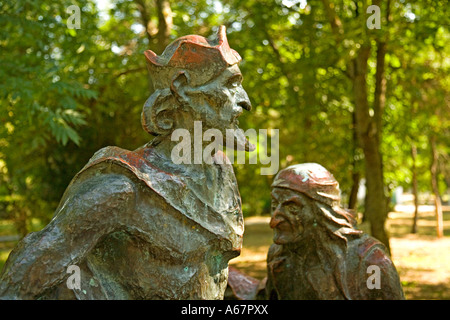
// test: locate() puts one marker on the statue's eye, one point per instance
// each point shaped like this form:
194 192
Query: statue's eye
291 207
234 81
233 84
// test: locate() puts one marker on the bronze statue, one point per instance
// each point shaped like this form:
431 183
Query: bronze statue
136 224
317 252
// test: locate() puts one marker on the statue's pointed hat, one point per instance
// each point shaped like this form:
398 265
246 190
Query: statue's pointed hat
202 58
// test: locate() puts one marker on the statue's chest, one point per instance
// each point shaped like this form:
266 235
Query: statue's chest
171 267
216 187
296 279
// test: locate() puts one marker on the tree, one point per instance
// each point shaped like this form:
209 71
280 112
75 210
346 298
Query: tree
418 100
40 99
368 127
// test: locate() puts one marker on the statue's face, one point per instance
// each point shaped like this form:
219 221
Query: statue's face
220 102
292 216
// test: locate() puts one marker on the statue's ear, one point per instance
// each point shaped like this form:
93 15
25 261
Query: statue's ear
158 113
179 87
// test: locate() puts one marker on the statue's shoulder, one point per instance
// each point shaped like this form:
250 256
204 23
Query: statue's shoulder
369 252
135 161
113 154
106 152
105 161
374 260
370 249
140 165
118 161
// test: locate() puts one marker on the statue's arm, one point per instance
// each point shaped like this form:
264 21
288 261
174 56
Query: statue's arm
88 211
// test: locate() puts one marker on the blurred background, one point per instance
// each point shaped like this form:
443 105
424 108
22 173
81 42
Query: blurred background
364 92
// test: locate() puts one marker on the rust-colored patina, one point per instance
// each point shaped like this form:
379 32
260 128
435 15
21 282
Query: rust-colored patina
312 180
196 53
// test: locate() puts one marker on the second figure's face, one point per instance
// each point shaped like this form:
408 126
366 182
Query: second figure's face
292 216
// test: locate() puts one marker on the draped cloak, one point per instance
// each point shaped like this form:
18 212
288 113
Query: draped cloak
138 227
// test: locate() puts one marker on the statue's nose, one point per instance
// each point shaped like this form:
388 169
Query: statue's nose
242 99
276 219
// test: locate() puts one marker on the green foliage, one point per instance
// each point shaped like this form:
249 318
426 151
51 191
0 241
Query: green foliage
65 93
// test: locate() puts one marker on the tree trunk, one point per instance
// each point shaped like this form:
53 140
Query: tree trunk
356 176
21 220
375 202
380 95
145 17
414 188
368 128
353 197
165 23
380 89
159 40
435 188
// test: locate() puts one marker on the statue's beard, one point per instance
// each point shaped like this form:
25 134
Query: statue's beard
240 141
237 141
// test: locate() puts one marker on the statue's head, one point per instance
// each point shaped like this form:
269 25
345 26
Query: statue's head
196 79
305 202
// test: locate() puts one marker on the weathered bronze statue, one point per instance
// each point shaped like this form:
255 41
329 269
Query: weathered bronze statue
136 224
317 252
